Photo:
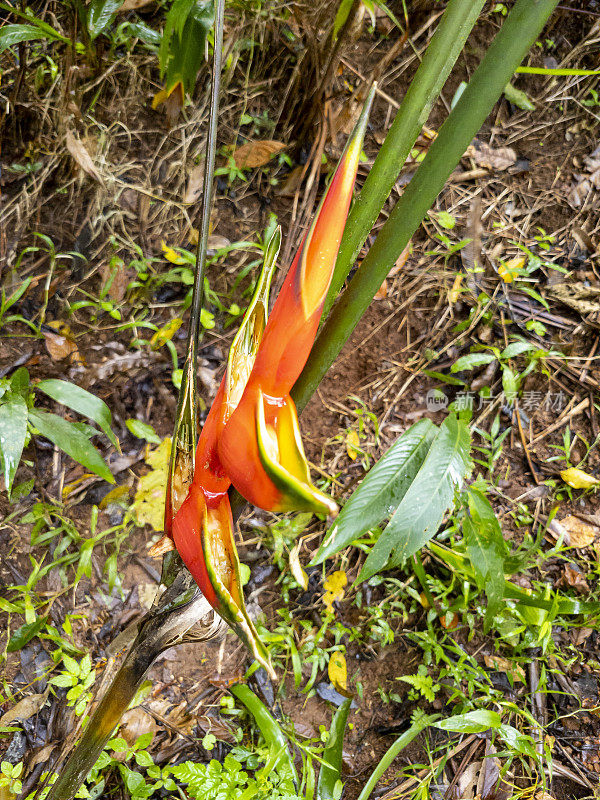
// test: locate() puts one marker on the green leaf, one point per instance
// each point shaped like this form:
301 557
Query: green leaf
100 15
341 17
422 508
25 633
471 722
330 772
381 490
518 97
13 432
516 349
74 443
487 550
142 430
14 34
510 384
472 361
269 727
518 741
83 402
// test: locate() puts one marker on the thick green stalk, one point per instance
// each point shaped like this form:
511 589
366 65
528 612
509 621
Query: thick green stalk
443 50
521 28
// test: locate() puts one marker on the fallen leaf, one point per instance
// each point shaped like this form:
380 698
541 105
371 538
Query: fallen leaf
337 671
496 158
382 292
257 154
41 756
172 255
518 97
137 722
334 588
115 279
511 269
193 190
576 579
299 574
352 444
166 333
172 99
215 242
60 345
580 635
133 5
149 502
578 479
579 533
292 183
499 664
581 298
455 291
81 156
24 709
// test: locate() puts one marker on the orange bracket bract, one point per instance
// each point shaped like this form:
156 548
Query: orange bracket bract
259 444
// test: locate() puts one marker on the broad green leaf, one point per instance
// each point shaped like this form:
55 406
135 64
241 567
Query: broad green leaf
25 633
471 722
14 34
517 348
100 14
142 430
472 361
381 490
13 432
422 508
518 741
74 443
19 382
83 402
486 549
341 17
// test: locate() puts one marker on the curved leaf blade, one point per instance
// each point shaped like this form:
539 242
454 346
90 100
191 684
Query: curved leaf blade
72 441
13 432
382 489
422 508
331 767
78 399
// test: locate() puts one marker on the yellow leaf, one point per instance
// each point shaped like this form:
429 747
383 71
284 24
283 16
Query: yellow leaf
149 503
300 576
334 588
454 294
166 333
511 269
172 255
352 444
578 479
256 154
336 669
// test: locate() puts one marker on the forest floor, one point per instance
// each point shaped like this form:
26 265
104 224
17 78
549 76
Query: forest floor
108 250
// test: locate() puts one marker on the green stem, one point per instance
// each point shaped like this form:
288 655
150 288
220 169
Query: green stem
521 28
443 50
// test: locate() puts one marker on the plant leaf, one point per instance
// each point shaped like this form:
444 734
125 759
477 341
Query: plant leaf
331 767
13 34
72 441
472 361
486 549
471 722
13 432
381 490
25 633
422 508
142 430
100 14
83 402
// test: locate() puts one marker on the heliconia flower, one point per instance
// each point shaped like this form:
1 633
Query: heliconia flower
259 443
202 529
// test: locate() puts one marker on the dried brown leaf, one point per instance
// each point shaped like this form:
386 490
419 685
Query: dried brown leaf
580 533
81 156
496 158
24 709
292 183
576 579
60 345
193 190
257 154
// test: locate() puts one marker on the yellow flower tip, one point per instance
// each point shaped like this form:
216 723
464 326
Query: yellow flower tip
158 549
